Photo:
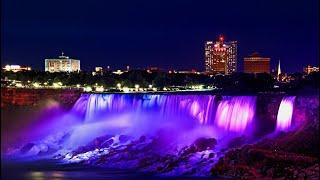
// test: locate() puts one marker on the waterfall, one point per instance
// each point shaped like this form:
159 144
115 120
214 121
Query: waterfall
285 113
175 107
235 113
231 114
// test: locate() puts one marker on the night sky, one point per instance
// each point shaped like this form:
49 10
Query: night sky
167 34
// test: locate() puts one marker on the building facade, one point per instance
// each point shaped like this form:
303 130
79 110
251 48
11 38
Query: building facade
309 69
16 68
221 56
256 64
62 64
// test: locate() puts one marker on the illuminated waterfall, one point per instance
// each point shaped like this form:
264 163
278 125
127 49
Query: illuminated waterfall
196 107
232 113
235 113
285 113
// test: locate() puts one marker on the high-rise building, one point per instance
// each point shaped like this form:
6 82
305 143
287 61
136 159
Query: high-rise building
62 64
309 69
221 56
256 64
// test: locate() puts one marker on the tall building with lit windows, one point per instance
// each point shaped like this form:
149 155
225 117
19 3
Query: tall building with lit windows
62 64
221 56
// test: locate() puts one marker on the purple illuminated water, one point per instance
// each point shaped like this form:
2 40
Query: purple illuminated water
198 108
235 113
285 112
185 117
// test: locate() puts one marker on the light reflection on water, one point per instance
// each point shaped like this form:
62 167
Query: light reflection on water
87 174
38 175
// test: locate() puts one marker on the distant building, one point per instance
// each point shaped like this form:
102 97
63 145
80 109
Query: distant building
97 70
256 64
62 64
309 69
153 69
221 56
16 68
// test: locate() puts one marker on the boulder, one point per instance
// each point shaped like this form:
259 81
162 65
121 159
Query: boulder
202 144
26 147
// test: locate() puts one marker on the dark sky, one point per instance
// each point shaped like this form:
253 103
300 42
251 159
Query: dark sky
163 33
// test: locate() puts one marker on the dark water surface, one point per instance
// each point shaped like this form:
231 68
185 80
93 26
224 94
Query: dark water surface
47 169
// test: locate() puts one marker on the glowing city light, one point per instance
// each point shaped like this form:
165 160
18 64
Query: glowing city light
99 89
36 85
19 85
125 89
88 89
56 85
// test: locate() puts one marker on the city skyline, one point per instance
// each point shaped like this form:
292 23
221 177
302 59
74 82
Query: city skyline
117 35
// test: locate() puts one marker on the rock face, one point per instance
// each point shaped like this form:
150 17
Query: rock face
27 147
292 155
254 163
147 154
202 144
34 97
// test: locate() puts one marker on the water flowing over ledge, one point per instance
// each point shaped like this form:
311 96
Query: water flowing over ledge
186 131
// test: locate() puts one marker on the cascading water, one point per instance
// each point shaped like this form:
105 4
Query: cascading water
232 113
235 114
285 113
96 115
137 114
168 134
198 107
139 126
